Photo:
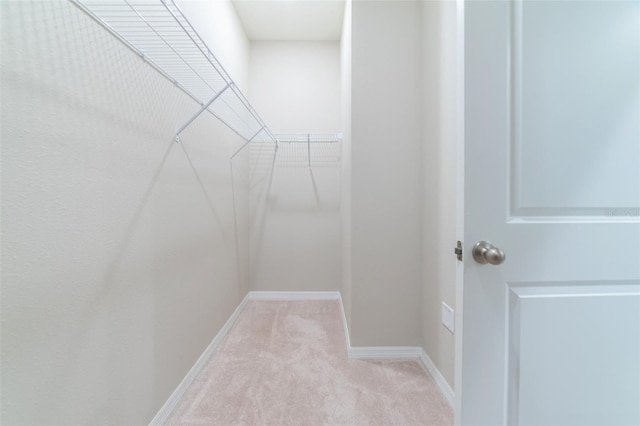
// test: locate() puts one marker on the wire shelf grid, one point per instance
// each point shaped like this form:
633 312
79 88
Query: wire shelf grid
308 137
158 31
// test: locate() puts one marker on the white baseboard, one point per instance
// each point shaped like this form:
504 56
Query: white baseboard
398 352
385 352
405 352
344 323
168 407
363 352
294 295
438 377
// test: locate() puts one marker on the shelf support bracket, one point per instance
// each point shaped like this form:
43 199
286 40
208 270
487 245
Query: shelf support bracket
197 114
247 142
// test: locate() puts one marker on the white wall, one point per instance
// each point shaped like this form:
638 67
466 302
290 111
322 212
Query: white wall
386 174
119 255
296 84
439 219
345 192
295 210
219 26
402 197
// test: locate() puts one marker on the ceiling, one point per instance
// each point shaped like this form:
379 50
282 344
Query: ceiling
291 20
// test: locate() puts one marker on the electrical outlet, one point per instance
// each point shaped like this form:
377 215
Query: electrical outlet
447 317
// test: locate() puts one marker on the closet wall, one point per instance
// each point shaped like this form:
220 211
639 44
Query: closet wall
386 174
295 209
399 211
345 169
119 257
439 191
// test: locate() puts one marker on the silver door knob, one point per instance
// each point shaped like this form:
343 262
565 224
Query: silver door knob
484 252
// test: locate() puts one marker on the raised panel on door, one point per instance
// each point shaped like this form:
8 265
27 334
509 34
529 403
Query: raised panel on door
573 353
575 105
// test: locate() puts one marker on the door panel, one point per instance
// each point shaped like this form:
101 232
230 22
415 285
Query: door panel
552 177
562 337
575 65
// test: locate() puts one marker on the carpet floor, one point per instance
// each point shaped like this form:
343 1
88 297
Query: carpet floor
285 363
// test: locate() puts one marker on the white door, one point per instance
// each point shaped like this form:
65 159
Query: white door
552 177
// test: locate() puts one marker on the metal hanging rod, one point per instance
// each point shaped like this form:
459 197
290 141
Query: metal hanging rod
160 34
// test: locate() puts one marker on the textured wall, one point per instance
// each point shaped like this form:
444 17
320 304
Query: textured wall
119 256
295 210
386 174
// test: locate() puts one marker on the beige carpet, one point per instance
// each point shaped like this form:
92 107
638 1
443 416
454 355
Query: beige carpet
285 363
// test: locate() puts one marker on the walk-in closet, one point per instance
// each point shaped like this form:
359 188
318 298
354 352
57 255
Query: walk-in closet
168 163
275 212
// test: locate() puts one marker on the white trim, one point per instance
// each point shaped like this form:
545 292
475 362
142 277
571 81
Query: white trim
460 210
398 352
405 352
168 407
385 352
442 383
294 295
362 352
344 323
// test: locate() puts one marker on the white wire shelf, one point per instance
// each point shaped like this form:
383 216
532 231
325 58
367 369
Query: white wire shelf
309 139
158 31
